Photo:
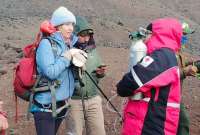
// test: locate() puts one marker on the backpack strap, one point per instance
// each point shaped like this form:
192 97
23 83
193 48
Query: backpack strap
53 99
32 95
53 45
51 85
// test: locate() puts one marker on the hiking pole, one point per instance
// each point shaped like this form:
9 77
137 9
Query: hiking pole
103 93
82 97
84 112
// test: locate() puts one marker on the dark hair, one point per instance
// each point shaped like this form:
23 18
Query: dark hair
149 27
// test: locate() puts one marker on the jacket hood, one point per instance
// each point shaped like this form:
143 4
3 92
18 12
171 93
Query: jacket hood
166 33
81 25
47 27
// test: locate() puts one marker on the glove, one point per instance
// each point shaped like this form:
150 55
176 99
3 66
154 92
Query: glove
69 54
190 70
79 58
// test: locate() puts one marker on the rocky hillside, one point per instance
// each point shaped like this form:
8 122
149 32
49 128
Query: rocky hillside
112 21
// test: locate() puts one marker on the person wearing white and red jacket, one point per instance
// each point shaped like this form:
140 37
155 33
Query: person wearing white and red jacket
157 77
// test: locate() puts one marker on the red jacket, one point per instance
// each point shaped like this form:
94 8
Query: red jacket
157 77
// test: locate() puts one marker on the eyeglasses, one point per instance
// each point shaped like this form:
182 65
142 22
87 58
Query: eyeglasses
86 33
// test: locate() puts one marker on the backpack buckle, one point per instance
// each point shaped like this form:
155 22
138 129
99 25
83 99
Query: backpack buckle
46 106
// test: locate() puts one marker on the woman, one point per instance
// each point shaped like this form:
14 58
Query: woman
53 58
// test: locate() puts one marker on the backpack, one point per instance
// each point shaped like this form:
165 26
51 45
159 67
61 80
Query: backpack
25 78
25 74
25 71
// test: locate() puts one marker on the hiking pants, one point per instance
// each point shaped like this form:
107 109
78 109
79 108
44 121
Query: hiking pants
184 124
45 124
75 122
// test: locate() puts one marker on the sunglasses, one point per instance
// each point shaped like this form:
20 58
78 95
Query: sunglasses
86 33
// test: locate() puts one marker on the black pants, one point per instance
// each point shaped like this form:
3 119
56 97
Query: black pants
45 124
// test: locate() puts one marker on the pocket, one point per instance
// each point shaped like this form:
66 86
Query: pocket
136 109
134 115
172 120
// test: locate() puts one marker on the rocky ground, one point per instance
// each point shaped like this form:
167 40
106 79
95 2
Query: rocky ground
112 20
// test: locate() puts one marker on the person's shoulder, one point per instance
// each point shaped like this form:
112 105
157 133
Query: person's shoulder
164 52
166 56
44 42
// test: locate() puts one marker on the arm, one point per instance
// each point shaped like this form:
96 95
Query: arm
100 68
50 66
152 72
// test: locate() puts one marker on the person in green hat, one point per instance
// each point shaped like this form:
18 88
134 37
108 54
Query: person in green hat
86 104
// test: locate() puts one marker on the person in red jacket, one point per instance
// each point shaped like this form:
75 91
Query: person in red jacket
157 77
3 120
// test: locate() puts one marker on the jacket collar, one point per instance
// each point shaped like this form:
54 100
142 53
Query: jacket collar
58 37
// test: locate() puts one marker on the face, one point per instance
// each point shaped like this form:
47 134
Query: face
66 30
83 39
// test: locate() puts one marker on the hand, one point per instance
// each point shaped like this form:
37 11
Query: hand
3 123
3 119
100 71
68 54
190 70
79 59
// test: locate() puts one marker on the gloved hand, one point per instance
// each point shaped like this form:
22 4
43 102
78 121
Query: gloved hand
69 53
79 59
190 70
77 56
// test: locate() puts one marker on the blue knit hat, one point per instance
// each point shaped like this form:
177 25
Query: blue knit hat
61 16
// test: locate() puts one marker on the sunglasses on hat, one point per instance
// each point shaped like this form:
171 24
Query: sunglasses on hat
86 33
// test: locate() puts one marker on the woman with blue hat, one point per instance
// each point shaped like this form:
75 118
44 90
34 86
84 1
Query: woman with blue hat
53 58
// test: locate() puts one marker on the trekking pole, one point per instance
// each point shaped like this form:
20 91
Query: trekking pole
82 97
103 94
84 111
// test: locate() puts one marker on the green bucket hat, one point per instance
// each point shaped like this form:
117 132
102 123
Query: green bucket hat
186 28
82 25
